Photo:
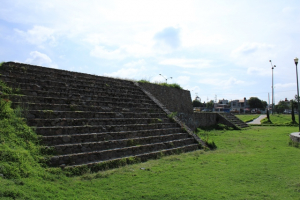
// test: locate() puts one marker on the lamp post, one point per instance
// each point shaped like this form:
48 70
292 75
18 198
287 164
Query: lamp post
272 87
296 63
165 78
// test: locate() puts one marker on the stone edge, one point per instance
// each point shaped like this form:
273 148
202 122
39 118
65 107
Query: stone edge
176 119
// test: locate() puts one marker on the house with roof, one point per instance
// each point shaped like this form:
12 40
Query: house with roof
222 106
239 106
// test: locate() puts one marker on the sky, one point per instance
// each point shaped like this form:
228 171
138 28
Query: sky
216 49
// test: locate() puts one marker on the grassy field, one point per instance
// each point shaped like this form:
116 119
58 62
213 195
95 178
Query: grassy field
280 119
256 163
247 118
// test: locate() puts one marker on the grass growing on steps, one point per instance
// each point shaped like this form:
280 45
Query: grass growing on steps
173 85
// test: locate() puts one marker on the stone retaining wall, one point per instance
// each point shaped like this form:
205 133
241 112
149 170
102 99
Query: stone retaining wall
175 99
178 100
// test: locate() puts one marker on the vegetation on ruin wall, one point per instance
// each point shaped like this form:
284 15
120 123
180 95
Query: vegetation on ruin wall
20 153
173 85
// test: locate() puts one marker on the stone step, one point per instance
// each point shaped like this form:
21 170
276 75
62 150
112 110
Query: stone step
54 74
84 101
234 120
90 119
90 114
64 149
105 136
36 90
94 121
96 165
81 158
69 84
50 108
242 125
82 94
69 130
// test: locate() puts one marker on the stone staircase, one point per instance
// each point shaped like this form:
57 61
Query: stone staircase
89 119
234 121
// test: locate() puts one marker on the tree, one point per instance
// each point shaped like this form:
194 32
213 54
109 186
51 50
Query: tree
255 102
281 106
210 104
197 103
268 115
293 113
265 104
296 102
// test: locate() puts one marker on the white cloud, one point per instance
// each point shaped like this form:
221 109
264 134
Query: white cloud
258 71
285 85
251 48
40 59
187 63
221 83
289 9
132 70
182 80
168 37
128 73
191 38
138 63
139 50
101 52
38 35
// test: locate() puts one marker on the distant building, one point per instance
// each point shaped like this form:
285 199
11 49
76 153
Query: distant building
239 106
222 106
223 101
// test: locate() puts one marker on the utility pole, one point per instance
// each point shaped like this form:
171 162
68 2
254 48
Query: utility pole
272 87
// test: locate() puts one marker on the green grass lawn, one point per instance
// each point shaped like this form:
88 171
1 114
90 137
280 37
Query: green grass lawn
256 163
280 119
247 118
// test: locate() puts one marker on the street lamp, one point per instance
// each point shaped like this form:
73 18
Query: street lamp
296 63
165 78
272 87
